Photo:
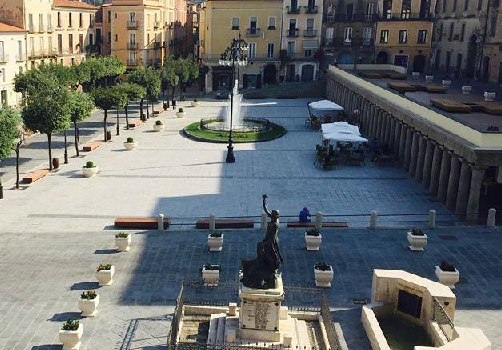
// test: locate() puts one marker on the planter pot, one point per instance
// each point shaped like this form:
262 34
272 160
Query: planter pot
181 114
108 136
89 306
55 163
448 278
323 278
143 117
131 145
158 127
71 339
122 243
415 75
429 78
195 104
446 83
416 242
210 277
215 243
105 277
165 105
489 96
313 242
466 89
89 172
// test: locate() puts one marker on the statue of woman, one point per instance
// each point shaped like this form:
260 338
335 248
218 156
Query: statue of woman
261 272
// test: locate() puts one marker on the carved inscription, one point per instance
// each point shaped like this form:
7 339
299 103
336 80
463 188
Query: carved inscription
261 315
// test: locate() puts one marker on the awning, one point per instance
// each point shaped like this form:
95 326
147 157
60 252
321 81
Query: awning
325 105
310 44
342 132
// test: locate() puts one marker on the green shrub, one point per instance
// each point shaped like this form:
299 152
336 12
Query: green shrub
415 231
130 140
322 266
194 100
104 267
180 110
313 232
90 165
212 267
215 234
446 266
122 235
70 325
158 122
89 295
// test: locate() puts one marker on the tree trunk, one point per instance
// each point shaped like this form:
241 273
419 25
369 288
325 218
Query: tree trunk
49 145
181 91
65 148
76 138
127 117
173 92
147 110
104 123
141 108
118 122
17 164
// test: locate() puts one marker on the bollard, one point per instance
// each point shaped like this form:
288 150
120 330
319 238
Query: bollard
490 222
160 222
373 219
431 222
212 222
288 340
318 220
263 221
232 309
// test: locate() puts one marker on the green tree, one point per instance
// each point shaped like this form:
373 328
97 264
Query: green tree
48 112
8 134
169 79
134 92
32 81
153 86
100 71
138 77
106 99
182 69
81 106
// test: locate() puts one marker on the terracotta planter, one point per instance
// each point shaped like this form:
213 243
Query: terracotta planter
215 243
55 163
89 306
210 277
89 172
416 242
105 277
131 145
158 128
71 339
313 242
448 278
123 243
323 278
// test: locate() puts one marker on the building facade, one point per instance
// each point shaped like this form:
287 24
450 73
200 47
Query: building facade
258 22
403 33
491 64
301 39
12 61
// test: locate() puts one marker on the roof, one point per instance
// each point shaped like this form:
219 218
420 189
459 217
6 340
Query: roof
74 4
4 27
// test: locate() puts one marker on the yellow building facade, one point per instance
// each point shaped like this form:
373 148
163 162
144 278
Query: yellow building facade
259 23
12 61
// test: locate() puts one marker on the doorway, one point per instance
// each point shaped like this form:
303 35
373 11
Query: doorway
419 63
307 73
382 58
472 51
270 74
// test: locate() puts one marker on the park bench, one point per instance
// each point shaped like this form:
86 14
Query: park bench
135 123
435 89
91 146
451 106
331 224
401 87
491 107
371 75
146 223
156 112
225 223
34 176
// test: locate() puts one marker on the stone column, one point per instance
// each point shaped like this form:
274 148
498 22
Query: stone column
414 154
419 171
397 137
374 125
477 177
436 168
407 149
444 176
451 192
429 151
392 132
464 185
402 141
383 129
378 122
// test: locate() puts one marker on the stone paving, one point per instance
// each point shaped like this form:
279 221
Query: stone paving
183 179
43 274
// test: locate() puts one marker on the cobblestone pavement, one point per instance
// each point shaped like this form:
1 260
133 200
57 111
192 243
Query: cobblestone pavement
43 274
183 179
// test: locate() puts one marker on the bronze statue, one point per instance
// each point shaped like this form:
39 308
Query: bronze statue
261 272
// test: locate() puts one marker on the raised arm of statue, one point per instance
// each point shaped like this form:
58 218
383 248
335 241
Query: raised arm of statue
265 209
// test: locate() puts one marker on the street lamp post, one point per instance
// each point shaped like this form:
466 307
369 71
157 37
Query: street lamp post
232 56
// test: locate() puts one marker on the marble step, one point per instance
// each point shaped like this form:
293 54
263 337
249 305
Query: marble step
216 329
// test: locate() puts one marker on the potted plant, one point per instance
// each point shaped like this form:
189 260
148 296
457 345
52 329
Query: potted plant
429 78
89 169
215 241
313 239
122 241
446 81
130 144
211 274
104 274
181 113
70 334
466 89
417 239
158 126
447 274
88 303
195 103
323 274
489 96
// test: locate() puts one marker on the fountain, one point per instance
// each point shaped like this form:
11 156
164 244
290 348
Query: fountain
235 107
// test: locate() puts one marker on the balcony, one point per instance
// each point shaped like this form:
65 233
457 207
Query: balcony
132 25
156 24
293 10
49 28
262 57
292 33
42 53
4 58
253 32
406 17
20 57
339 42
310 33
132 62
310 9
31 29
92 23
41 29
354 17
132 46
157 45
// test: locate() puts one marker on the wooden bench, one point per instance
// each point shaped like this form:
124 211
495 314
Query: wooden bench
34 176
225 223
398 76
297 224
370 75
91 146
148 223
135 123
451 106
435 89
491 107
401 87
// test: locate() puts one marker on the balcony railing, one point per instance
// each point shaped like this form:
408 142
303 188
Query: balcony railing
132 46
31 29
406 16
49 28
339 42
132 25
292 33
293 10
132 62
42 53
4 58
310 9
92 24
157 45
20 57
355 17
156 24
253 32
309 33
41 29
261 57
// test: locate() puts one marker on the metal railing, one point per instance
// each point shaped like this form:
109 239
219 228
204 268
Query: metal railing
20 57
444 321
309 33
351 42
310 9
156 24
132 62
292 33
132 46
293 10
157 45
354 17
49 27
253 32
4 58
132 25
406 16
259 57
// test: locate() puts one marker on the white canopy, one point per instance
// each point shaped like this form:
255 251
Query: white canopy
325 105
342 132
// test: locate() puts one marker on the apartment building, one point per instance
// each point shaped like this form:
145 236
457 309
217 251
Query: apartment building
491 65
192 30
258 22
12 61
301 39
403 33
349 31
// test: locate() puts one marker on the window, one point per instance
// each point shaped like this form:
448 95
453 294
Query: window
387 9
91 39
50 43
32 46
70 42
109 37
2 49
310 24
384 36
466 5
80 20
59 19
422 36
450 35
69 20
367 36
132 38
329 35
81 42
493 26
132 17
109 16
403 36
406 9
454 8
444 5
30 23
270 50
409 304
20 48
148 20
41 44
347 34
440 32
60 43
350 12
368 11
41 23
480 5
253 23
235 23
291 48
462 32
49 22
308 53
252 50
271 23
116 37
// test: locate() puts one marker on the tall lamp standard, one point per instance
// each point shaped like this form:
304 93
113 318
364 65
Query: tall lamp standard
233 55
